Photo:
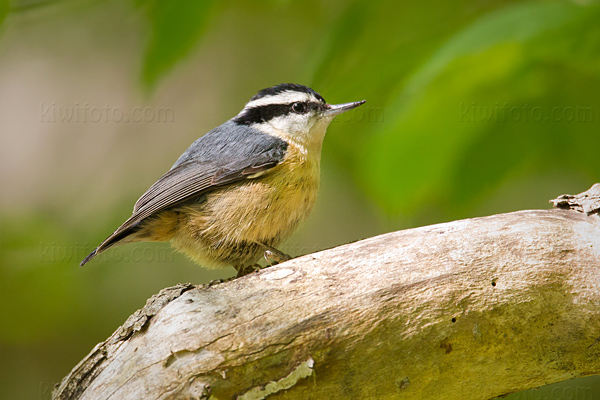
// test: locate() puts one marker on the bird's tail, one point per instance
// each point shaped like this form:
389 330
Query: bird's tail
89 257
120 236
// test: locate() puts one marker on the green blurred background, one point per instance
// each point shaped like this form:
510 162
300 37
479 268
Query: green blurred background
474 108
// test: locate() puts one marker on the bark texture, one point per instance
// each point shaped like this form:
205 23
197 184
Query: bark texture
470 309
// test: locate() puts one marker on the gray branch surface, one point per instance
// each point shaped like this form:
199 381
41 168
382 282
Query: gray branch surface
470 309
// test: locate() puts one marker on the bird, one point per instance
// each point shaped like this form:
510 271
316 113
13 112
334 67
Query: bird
242 188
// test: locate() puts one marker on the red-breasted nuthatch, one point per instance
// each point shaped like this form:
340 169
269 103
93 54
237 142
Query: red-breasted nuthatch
243 187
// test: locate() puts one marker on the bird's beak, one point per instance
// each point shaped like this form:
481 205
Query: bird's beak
335 109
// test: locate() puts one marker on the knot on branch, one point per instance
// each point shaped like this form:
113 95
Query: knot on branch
587 202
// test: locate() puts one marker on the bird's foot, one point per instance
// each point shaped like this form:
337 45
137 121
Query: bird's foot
274 256
247 269
271 255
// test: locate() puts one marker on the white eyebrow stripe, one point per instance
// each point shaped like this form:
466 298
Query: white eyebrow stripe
281 98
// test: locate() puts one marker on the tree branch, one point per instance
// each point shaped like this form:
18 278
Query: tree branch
468 309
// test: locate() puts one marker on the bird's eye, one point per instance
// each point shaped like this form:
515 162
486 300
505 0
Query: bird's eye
299 108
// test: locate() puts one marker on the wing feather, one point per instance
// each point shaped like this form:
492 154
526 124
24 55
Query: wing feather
204 166
191 179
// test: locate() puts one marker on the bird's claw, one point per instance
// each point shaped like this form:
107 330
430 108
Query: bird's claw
275 255
248 269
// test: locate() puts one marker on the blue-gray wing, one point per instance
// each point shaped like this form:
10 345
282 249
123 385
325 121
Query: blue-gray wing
191 178
217 159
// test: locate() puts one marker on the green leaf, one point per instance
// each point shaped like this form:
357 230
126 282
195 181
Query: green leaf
368 51
431 151
176 27
512 24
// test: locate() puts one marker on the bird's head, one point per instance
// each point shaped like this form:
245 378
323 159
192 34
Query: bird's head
292 112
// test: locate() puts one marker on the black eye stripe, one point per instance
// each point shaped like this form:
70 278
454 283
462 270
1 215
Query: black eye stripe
256 115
